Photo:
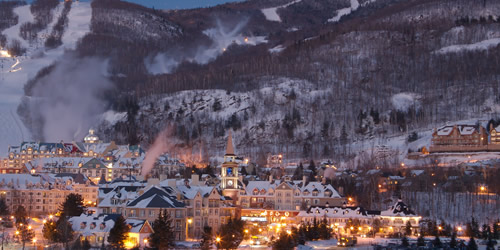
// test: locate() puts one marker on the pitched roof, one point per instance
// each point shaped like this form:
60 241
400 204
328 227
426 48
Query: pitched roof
155 197
230 148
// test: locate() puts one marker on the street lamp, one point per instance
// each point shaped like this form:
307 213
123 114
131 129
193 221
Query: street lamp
188 222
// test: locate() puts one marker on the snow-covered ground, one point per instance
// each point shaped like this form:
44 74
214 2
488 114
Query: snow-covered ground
271 14
15 72
345 11
222 37
482 45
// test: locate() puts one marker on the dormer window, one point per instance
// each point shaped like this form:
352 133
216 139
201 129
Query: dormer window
255 192
102 226
315 193
92 225
306 192
83 225
263 192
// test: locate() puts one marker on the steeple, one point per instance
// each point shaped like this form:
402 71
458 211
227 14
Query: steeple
229 147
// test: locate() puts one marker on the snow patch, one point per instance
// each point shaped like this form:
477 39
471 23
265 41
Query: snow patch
113 117
25 16
345 11
403 101
277 49
482 45
271 14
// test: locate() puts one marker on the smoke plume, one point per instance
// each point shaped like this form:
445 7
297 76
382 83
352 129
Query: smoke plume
69 100
159 147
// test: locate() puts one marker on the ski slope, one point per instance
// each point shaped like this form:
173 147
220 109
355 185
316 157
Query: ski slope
15 72
271 14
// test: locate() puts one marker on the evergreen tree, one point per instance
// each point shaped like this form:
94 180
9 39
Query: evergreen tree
312 167
243 171
301 235
472 244
118 234
21 215
299 172
64 230
231 234
404 242
408 228
77 245
4 209
72 205
496 224
490 245
206 238
324 231
453 240
421 240
284 242
49 231
437 242
485 231
314 230
163 233
472 229
86 245
26 233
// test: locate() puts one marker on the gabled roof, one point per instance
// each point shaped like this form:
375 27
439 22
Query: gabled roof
155 197
94 163
400 209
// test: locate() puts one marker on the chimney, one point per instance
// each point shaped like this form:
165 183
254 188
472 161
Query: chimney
163 177
323 181
304 180
195 179
172 183
153 182
271 178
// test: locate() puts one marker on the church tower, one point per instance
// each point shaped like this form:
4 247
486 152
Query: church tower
229 170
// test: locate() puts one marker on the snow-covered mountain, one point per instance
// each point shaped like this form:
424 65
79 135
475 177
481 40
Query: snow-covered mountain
16 71
311 79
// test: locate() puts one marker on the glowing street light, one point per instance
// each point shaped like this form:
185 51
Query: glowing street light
483 188
217 239
459 228
190 220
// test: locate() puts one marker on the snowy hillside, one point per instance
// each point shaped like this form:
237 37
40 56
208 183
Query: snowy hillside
16 71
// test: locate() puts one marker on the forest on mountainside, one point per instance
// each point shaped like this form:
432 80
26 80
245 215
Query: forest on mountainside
360 66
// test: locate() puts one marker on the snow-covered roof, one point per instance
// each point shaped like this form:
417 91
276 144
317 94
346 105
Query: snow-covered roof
155 197
87 225
335 212
400 209
463 129
190 192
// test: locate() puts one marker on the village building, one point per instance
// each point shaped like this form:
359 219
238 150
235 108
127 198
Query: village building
459 138
95 229
345 220
42 194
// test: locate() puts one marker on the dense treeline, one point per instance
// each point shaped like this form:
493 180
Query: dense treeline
358 64
54 40
8 18
42 12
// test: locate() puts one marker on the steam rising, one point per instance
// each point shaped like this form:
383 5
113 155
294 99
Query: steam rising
159 147
221 36
68 101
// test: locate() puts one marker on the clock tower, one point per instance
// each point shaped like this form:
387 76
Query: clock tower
229 171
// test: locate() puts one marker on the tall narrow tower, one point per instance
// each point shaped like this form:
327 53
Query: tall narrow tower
229 170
